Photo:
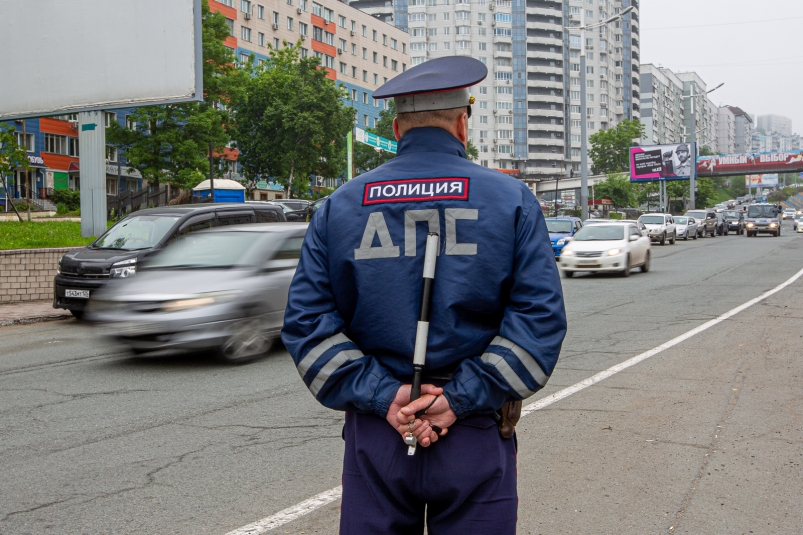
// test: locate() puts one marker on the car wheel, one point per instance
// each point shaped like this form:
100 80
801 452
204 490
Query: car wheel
663 239
645 267
695 236
248 342
626 271
686 237
77 314
568 274
674 238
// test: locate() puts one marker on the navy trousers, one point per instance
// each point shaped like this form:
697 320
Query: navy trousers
463 484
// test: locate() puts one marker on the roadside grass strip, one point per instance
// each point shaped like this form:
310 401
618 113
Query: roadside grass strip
41 235
292 513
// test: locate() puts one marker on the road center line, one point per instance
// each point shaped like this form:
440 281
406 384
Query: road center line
307 506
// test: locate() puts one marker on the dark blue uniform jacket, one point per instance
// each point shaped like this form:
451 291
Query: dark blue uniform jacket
497 317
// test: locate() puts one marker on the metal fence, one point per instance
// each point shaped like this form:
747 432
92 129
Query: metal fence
118 206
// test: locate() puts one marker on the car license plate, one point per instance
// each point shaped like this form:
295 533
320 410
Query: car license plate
80 294
588 261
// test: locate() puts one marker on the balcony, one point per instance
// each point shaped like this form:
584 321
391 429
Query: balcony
549 13
545 69
545 113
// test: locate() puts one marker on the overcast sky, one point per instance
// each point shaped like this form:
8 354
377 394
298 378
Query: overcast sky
760 62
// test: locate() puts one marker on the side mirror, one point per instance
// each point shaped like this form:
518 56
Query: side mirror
634 238
567 239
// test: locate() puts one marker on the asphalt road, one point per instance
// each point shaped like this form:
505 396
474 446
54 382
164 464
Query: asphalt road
702 438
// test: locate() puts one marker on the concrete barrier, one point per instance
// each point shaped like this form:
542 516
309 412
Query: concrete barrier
27 274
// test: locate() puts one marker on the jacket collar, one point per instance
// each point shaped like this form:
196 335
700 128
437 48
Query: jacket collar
430 139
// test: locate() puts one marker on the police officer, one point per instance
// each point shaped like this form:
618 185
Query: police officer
497 320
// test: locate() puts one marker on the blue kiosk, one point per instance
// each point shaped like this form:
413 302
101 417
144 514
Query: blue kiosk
226 190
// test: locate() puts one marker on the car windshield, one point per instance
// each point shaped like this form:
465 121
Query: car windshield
698 215
732 213
136 232
558 227
761 210
212 250
652 219
601 233
681 220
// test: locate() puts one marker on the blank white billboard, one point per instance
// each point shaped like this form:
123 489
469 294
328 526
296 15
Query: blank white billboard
64 56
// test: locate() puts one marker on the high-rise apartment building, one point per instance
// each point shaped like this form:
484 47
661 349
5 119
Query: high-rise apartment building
743 125
357 50
527 112
774 124
661 106
726 131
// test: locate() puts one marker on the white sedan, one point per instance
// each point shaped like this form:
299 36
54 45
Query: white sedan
608 247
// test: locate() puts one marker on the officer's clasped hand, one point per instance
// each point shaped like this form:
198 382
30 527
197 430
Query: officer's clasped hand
406 423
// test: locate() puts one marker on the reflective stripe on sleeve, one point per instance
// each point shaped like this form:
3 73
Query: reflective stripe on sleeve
330 367
509 375
525 358
307 362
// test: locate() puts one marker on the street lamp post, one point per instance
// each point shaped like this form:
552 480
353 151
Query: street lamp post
693 173
583 103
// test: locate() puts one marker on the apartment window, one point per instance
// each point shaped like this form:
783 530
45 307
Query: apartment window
404 48
275 17
432 32
394 65
590 97
365 119
463 30
463 15
575 109
501 17
482 46
591 125
433 17
432 47
447 31
384 61
317 9
505 119
576 123
245 6
303 5
343 68
364 97
384 39
483 90
354 26
354 95
373 34
364 53
574 81
504 62
28 143
504 105
244 58
418 47
229 3
245 33
342 44
130 123
289 2
353 72
376 57
276 43
261 39
364 76
505 134
353 49
483 104
417 61
230 24
341 21
483 134
575 153
589 69
503 32
55 144
261 11
574 67
303 29
447 46
290 23
376 79
394 44
483 119
109 118
503 149
575 138
506 90
111 154
503 75
365 30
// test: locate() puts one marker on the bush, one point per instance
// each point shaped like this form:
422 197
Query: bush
614 215
61 208
70 197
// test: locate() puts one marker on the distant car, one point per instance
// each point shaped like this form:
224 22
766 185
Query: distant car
612 246
797 223
763 218
734 220
117 253
706 220
686 227
661 227
559 229
223 289
722 224
789 213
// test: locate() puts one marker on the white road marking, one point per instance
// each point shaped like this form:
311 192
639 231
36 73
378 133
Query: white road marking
297 511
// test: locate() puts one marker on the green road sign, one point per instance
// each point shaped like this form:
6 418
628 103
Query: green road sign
373 140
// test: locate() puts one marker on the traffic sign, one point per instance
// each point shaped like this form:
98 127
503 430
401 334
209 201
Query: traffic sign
374 141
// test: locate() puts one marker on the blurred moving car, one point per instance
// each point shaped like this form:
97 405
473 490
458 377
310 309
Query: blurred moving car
763 218
789 213
661 227
639 224
223 289
734 219
610 247
117 253
559 229
686 227
706 221
798 223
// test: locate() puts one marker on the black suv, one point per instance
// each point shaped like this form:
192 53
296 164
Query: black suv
116 253
735 220
295 209
708 223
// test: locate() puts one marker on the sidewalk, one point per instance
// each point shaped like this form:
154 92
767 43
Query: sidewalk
30 312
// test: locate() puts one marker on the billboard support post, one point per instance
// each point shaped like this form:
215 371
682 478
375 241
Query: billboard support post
92 159
693 174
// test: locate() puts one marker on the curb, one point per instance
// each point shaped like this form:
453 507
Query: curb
33 319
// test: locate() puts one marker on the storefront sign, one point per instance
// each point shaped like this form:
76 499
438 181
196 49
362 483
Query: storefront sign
36 161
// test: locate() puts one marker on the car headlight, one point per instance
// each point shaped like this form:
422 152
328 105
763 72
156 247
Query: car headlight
58 269
561 241
124 269
614 252
749 225
200 300
773 225
566 253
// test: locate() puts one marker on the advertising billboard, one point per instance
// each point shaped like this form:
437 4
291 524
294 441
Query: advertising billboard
661 162
752 163
64 57
761 181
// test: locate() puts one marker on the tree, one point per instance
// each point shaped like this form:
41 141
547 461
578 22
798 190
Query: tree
705 192
12 157
367 157
291 123
619 188
705 151
170 143
471 151
610 149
